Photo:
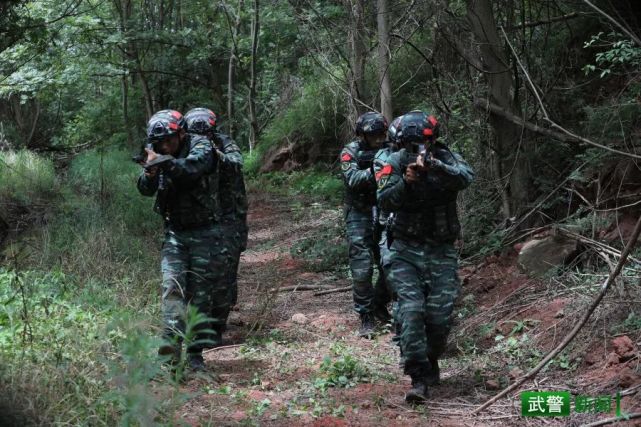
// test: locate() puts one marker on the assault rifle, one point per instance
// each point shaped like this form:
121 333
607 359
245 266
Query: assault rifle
141 158
159 161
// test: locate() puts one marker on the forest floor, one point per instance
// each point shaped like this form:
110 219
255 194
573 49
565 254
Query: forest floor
294 358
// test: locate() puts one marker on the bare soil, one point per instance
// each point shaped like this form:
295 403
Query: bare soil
269 371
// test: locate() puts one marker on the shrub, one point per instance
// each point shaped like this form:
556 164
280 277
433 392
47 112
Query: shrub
66 350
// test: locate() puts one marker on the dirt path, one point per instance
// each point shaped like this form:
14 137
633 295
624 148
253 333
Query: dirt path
274 370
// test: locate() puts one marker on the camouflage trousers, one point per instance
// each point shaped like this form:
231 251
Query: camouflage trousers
364 255
235 242
193 267
386 262
425 278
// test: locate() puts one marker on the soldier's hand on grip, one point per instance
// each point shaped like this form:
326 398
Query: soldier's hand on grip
412 173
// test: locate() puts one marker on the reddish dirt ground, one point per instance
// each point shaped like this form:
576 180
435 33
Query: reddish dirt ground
269 370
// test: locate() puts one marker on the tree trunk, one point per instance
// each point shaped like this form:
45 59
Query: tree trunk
358 51
252 84
511 166
34 123
149 102
231 72
384 60
124 13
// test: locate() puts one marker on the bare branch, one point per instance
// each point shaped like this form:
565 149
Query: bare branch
615 22
545 22
574 332
555 125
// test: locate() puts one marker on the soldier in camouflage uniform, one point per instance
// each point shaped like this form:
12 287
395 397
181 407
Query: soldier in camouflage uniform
231 192
193 263
420 185
381 158
361 218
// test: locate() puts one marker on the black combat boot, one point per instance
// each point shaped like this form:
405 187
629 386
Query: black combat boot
170 354
382 315
433 375
196 362
418 393
367 326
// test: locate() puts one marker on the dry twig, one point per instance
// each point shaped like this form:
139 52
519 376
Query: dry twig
331 291
569 337
613 420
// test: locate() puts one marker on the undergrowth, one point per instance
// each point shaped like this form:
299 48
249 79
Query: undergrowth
318 185
78 296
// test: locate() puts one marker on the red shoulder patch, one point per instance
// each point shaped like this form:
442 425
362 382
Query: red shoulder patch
387 170
346 157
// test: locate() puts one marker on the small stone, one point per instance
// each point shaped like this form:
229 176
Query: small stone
559 314
515 373
299 318
612 359
492 385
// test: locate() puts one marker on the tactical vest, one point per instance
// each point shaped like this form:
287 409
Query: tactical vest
362 199
381 158
188 204
232 194
429 211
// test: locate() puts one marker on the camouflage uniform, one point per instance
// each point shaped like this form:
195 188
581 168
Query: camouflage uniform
192 260
233 202
363 231
423 262
381 158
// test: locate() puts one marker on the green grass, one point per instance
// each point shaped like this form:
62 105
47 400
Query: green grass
25 177
74 353
79 309
314 116
317 184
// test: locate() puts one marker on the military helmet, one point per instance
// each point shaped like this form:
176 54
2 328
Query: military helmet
371 123
417 127
164 123
392 131
201 121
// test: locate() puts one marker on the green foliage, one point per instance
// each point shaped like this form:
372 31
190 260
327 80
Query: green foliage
619 52
317 184
323 249
630 324
313 117
341 370
109 177
53 330
26 178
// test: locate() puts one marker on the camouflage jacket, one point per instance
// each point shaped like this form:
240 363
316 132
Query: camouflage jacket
233 198
425 209
380 160
356 165
187 188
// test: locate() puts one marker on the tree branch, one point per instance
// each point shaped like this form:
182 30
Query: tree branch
552 123
615 22
544 22
485 104
569 337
